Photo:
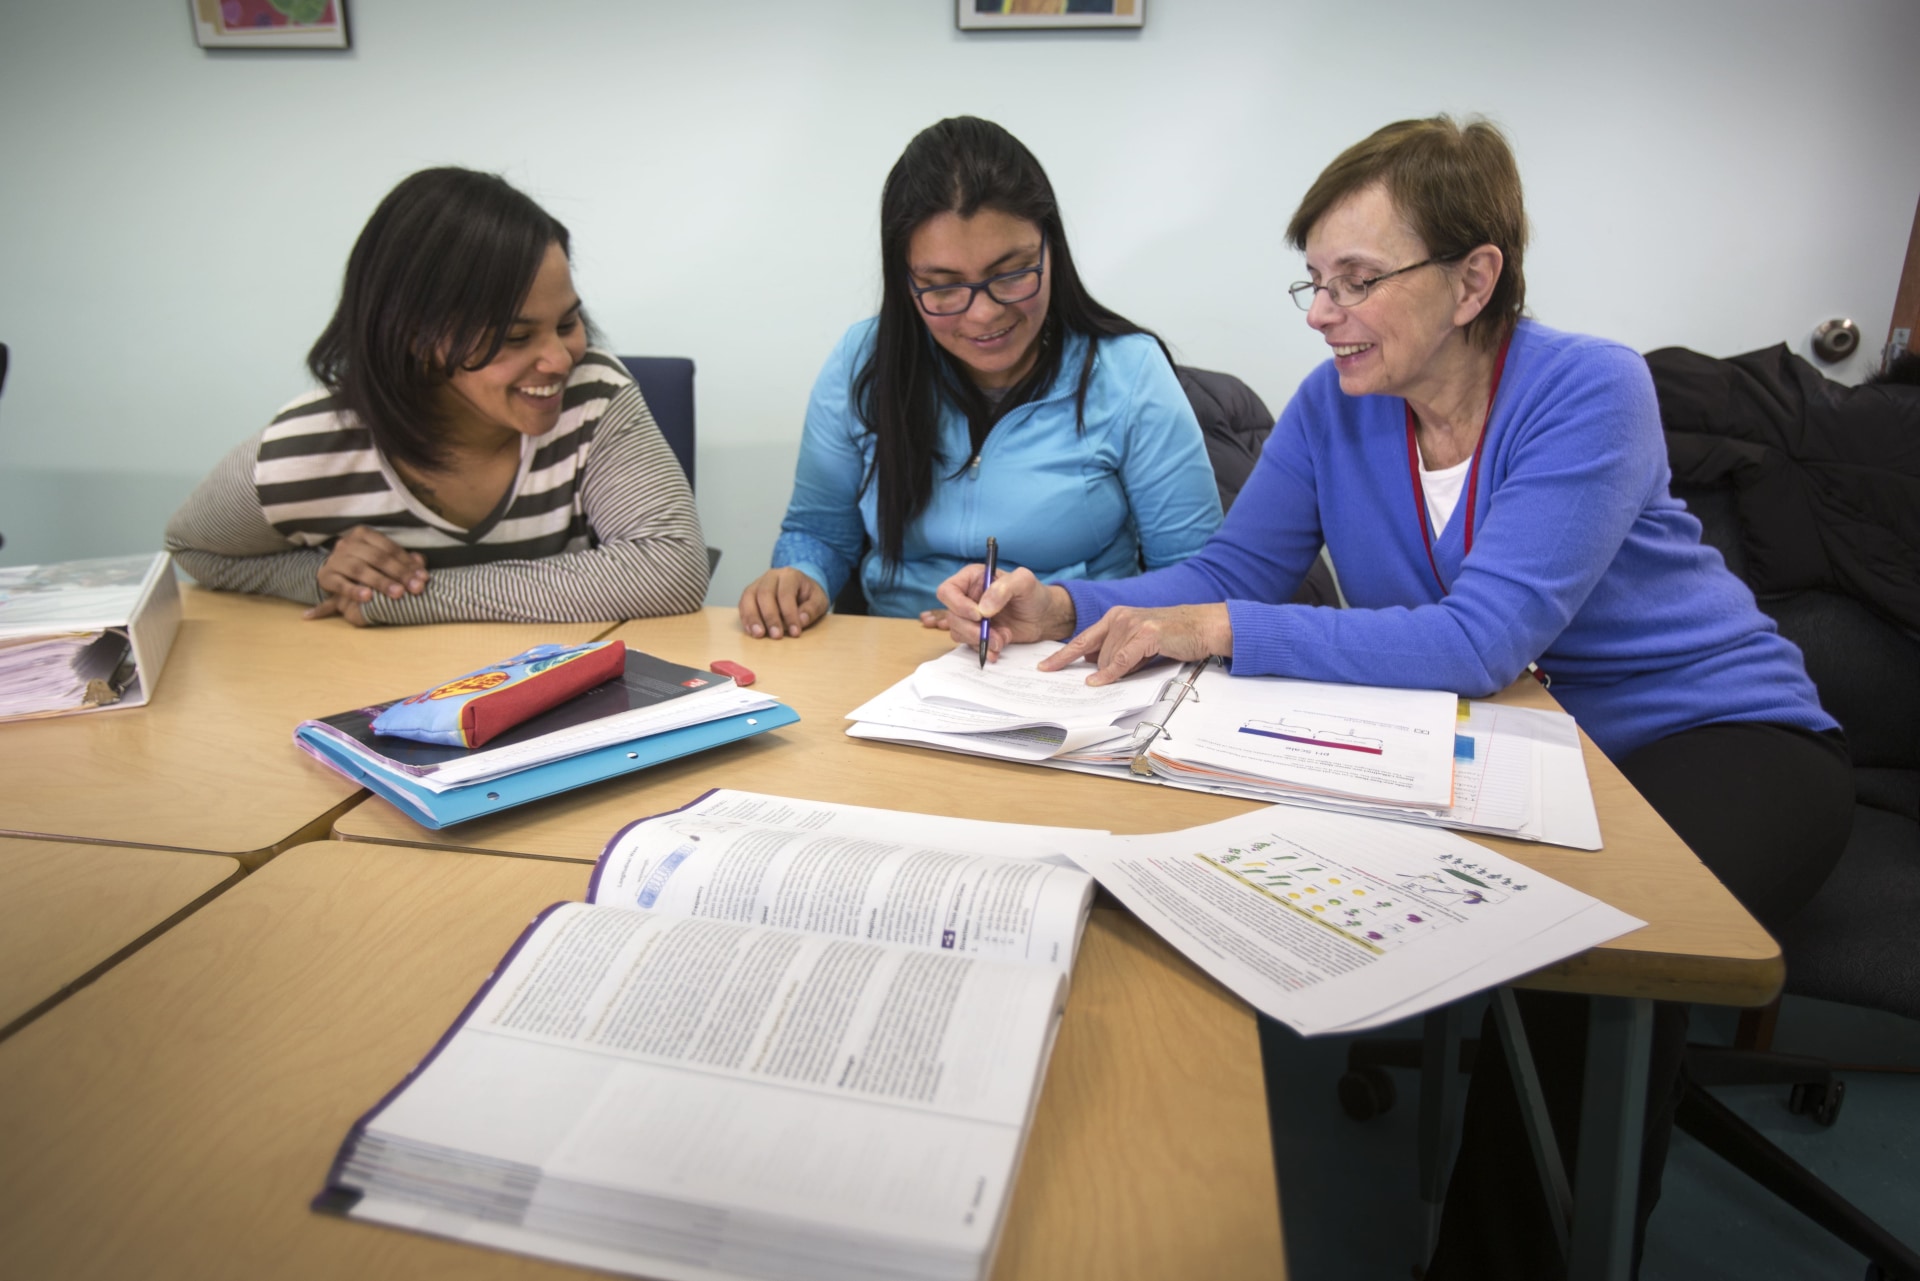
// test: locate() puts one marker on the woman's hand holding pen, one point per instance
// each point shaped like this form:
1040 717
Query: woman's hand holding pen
1126 637
1019 608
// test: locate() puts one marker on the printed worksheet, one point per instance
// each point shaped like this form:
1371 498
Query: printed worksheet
1393 745
1332 922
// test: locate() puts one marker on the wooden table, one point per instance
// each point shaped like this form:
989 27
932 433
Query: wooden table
210 764
66 917
173 1119
828 671
1699 944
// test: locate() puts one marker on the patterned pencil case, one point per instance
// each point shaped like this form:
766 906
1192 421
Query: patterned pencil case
483 704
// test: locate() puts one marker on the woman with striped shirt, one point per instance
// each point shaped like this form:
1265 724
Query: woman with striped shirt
470 456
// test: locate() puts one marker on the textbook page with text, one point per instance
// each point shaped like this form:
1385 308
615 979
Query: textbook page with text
816 1052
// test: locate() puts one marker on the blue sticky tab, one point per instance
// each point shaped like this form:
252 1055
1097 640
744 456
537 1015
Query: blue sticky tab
1462 748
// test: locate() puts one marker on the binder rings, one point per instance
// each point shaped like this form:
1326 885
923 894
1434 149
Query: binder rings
437 810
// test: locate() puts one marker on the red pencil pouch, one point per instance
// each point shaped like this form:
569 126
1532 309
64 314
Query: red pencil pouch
484 704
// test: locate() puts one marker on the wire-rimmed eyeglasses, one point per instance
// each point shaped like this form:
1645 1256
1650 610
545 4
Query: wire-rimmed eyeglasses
1351 291
1007 287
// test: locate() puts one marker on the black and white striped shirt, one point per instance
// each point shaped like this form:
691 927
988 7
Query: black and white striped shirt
598 524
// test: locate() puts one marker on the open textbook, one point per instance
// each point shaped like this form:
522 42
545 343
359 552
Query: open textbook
781 1039
1339 923
1407 754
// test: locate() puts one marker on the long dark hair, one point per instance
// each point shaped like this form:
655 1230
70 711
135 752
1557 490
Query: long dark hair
432 286
961 165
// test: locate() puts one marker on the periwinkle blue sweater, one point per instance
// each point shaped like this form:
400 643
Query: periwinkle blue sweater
1581 561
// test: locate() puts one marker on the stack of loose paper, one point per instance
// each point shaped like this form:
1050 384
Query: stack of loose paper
1337 923
1009 709
1517 772
1409 754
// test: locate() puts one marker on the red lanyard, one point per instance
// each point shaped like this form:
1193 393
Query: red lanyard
1473 469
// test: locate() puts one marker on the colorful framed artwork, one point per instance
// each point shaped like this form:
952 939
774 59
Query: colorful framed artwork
1047 15
270 24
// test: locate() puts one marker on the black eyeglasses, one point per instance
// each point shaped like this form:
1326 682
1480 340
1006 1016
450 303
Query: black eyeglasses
1007 287
1351 291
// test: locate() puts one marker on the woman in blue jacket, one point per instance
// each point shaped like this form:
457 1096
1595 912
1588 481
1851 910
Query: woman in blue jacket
992 396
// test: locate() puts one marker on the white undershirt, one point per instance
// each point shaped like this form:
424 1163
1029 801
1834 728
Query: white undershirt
1442 489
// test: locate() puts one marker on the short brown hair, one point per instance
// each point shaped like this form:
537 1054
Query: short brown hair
1457 187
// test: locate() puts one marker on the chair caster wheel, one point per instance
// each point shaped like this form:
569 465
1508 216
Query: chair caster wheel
1366 1092
1821 1102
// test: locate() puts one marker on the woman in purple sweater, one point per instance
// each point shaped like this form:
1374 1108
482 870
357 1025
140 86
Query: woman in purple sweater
1494 497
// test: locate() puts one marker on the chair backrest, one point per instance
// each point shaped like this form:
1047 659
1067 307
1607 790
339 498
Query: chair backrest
1866 670
1801 484
666 384
1234 422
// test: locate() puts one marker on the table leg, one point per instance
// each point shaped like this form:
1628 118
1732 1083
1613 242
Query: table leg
1439 1103
1612 1115
1532 1099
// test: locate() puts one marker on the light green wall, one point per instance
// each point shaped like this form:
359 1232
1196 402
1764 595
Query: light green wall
1722 174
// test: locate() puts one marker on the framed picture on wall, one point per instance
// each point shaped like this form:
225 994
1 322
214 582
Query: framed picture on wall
270 24
1047 15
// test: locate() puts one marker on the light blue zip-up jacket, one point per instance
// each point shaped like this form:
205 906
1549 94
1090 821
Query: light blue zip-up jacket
1133 490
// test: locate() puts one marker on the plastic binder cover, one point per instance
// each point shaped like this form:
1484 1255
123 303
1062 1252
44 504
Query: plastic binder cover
436 810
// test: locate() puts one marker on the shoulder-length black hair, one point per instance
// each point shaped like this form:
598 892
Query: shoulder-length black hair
961 165
432 286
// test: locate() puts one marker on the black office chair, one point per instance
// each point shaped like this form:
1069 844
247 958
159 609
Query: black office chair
666 384
1766 452
1854 943
1235 424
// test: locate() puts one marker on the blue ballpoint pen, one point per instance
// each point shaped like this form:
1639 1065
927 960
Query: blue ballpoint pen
993 562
